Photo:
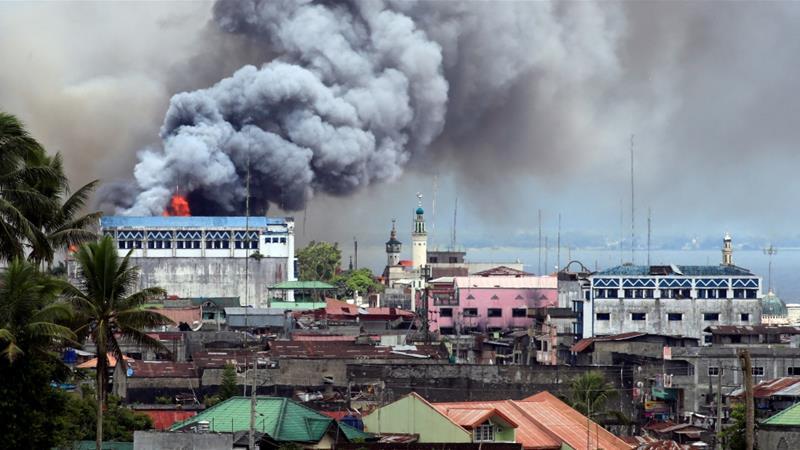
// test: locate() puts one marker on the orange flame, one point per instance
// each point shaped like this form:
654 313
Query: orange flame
178 206
73 248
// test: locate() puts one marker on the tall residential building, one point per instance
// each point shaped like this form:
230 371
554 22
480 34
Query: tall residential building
672 299
207 256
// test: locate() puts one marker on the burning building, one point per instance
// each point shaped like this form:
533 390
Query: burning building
192 256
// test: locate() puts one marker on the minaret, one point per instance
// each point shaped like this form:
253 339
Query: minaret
419 238
393 247
727 250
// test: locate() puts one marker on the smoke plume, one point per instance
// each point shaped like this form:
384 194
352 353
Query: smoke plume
356 92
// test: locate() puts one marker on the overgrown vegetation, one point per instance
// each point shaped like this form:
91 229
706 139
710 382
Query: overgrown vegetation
41 314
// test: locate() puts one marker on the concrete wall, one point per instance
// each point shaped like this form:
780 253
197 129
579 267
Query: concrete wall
777 437
411 415
467 382
212 277
656 310
147 440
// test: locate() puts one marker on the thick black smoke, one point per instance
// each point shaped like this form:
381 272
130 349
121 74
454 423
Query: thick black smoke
357 91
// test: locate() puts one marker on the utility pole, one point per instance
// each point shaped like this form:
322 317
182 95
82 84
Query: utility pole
649 224
355 253
251 439
719 407
633 216
747 369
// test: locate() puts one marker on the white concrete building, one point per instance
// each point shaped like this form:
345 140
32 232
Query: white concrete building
672 300
208 256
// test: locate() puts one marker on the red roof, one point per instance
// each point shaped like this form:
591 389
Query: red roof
162 369
112 362
406 263
583 344
178 315
322 337
162 419
474 417
545 422
768 388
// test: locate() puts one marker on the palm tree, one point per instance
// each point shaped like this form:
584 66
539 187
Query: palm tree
110 310
31 319
61 226
589 393
19 171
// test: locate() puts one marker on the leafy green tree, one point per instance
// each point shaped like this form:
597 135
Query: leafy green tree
589 394
31 320
734 436
319 261
359 280
109 309
228 388
31 331
78 422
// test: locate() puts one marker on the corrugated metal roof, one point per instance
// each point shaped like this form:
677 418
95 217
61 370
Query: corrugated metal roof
545 422
348 350
282 419
689 271
506 282
769 388
178 315
162 369
302 285
745 330
238 311
188 222
788 417
162 420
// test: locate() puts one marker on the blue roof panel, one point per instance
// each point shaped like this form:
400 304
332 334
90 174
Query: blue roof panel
689 271
188 221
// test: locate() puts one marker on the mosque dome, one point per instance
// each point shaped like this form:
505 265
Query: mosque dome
420 210
773 305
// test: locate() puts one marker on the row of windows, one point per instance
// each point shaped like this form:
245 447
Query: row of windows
191 244
490 312
674 317
675 293
757 371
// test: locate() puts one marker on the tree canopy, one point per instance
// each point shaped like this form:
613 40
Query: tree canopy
319 261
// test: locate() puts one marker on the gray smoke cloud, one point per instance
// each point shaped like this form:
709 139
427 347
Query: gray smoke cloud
357 92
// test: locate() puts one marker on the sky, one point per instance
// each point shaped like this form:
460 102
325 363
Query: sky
541 104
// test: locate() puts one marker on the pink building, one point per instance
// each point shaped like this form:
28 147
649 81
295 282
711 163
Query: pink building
487 303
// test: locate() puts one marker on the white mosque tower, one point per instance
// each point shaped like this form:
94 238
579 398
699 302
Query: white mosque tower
419 238
727 250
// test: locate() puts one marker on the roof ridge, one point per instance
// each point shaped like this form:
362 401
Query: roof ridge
776 416
546 430
433 407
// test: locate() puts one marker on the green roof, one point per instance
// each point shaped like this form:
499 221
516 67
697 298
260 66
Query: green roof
302 285
296 306
788 417
282 419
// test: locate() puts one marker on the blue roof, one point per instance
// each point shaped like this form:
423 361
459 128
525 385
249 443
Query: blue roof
188 221
689 271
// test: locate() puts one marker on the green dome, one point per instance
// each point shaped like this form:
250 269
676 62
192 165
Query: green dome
420 210
773 305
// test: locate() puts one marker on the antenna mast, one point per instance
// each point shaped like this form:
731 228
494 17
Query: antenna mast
540 243
649 224
455 217
433 205
770 251
558 245
633 216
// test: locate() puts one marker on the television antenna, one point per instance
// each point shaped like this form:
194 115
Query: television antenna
770 251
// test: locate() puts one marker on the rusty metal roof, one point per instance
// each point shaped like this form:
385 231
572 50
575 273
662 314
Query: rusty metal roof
162 369
349 350
749 330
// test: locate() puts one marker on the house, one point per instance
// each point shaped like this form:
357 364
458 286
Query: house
279 421
781 431
748 335
541 421
459 305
